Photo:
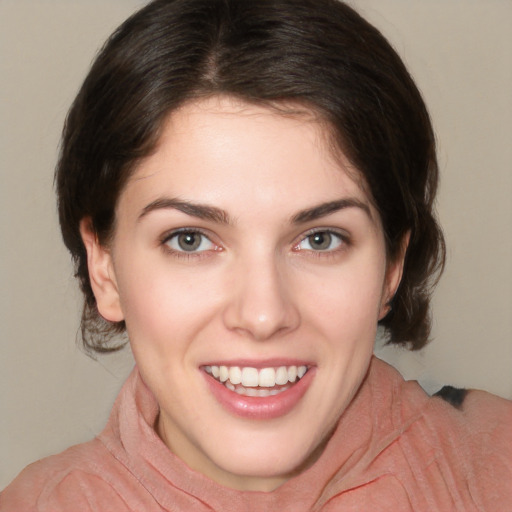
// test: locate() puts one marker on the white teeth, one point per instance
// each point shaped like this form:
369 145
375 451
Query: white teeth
250 377
223 373
235 375
267 378
282 375
259 392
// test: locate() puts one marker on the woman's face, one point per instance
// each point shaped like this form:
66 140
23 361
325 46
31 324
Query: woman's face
251 271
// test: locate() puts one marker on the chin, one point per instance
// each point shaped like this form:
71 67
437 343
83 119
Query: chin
263 464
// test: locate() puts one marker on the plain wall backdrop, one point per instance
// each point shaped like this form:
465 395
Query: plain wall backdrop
52 395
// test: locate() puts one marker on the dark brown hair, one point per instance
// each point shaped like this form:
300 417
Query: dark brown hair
317 53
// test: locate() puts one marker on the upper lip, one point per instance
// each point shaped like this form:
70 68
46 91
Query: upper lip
252 363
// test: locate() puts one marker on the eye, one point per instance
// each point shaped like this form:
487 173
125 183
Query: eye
189 241
321 241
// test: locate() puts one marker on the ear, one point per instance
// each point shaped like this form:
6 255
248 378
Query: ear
101 274
394 274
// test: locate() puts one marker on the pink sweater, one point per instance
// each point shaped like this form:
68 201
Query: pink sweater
395 449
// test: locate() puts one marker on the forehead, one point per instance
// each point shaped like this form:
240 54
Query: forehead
220 150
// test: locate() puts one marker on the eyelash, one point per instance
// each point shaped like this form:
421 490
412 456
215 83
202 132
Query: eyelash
168 237
342 238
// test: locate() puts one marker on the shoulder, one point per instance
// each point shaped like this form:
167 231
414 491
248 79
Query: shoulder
487 436
477 415
477 423
102 474
471 434
468 412
65 482
457 442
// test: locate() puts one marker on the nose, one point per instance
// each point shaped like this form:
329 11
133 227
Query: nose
260 302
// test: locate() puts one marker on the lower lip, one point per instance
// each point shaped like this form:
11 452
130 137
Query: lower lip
260 408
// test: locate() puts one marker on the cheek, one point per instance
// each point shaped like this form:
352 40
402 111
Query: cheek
346 299
162 304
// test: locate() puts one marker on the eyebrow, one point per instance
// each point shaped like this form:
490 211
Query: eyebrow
201 211
324 209
214 214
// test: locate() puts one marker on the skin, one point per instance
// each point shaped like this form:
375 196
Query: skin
256 289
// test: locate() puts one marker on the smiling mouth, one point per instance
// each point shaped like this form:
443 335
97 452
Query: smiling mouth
248 381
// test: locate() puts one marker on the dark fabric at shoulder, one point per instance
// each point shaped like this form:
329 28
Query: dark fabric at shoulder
454 396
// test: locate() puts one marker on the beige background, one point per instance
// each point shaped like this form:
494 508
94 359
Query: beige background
52 395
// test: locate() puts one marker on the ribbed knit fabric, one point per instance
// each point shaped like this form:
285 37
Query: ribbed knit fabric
395 449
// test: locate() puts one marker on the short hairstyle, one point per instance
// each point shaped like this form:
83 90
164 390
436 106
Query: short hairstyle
319 54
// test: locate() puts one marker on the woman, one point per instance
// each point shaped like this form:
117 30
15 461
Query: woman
247 189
